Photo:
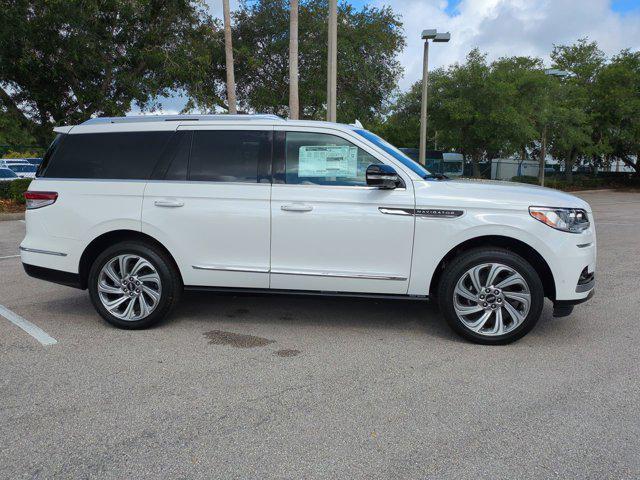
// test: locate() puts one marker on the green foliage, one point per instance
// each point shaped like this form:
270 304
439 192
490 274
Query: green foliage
506 108
22 154
584 182
5 190
17 189
368 43
62 62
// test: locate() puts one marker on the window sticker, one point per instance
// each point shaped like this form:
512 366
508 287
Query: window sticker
328 161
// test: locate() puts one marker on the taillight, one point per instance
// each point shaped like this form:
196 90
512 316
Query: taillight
39 199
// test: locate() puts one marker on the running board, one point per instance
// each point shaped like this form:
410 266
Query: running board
304 293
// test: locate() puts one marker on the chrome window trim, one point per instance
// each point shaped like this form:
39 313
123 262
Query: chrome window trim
45 252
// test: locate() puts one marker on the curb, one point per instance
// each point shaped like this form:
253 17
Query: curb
5 217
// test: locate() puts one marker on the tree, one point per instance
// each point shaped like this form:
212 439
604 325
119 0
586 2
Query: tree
228 55
61 63
617 108
294 108
583 60
368 42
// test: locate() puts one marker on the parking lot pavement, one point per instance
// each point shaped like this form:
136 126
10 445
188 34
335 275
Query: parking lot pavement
279 387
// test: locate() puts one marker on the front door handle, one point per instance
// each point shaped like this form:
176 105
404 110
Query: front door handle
296 207
168 203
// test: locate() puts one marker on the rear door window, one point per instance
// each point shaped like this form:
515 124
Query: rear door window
229 155
123 155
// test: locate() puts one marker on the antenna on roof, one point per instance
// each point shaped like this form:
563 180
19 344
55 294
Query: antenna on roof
357 124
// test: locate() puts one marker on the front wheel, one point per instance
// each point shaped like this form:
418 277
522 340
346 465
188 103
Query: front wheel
133 285
491 296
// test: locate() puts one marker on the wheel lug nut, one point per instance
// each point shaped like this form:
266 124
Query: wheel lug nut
481 297
488 290
493 306
497 292
485 304
137 282
499 300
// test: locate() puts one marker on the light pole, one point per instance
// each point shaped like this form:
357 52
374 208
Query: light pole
427 35
332 61
552 72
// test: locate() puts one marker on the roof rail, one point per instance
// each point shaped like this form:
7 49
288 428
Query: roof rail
180 118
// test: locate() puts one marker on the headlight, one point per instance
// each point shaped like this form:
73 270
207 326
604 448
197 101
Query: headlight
573 220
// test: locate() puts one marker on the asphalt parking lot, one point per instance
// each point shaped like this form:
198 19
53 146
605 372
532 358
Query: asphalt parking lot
273 387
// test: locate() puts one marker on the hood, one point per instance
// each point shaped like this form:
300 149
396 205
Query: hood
493 194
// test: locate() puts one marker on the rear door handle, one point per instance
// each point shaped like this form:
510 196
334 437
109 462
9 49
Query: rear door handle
296 207
168 203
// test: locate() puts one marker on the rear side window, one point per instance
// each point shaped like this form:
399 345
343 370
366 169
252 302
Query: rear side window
229 155
126 155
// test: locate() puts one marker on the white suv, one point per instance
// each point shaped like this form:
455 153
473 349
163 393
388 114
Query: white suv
138 209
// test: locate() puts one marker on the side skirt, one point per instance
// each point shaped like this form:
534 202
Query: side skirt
303 293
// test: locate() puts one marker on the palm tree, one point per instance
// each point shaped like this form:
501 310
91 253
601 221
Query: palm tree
294 104
228 51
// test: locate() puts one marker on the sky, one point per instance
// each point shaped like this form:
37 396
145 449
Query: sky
498 27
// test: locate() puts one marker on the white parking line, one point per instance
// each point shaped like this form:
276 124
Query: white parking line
9 256
36 332
22 221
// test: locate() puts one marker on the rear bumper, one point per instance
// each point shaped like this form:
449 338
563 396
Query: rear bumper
54 276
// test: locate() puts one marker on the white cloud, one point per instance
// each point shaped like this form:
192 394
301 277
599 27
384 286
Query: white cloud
509 27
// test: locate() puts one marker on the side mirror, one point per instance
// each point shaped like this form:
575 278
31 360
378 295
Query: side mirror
382 176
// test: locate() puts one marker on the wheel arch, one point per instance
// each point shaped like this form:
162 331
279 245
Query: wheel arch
519 247
101 242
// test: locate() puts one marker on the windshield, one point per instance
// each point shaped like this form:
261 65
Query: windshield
6 173
395 153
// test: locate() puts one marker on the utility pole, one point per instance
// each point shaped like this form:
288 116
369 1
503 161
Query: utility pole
436 37
228 52
332 60
294 104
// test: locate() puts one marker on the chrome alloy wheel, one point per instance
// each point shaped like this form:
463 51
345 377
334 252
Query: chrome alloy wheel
491 299
129 287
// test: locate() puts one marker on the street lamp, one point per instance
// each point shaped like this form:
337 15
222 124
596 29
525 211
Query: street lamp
552 72
431 34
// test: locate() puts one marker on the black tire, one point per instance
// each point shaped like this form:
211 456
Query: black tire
467 260
169 277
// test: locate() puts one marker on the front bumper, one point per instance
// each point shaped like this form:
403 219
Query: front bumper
563 308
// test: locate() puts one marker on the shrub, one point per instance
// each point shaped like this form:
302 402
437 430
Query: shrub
5 190
17 189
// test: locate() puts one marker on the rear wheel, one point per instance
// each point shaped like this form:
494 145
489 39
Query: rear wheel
133 285
491 296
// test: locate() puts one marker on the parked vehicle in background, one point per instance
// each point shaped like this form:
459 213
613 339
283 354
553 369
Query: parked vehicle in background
6 175
450 164
24 171
138 209
7 162
34 161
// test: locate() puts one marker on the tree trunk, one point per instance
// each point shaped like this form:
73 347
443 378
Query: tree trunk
636 166
228 51
476 166
568 167
294 106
